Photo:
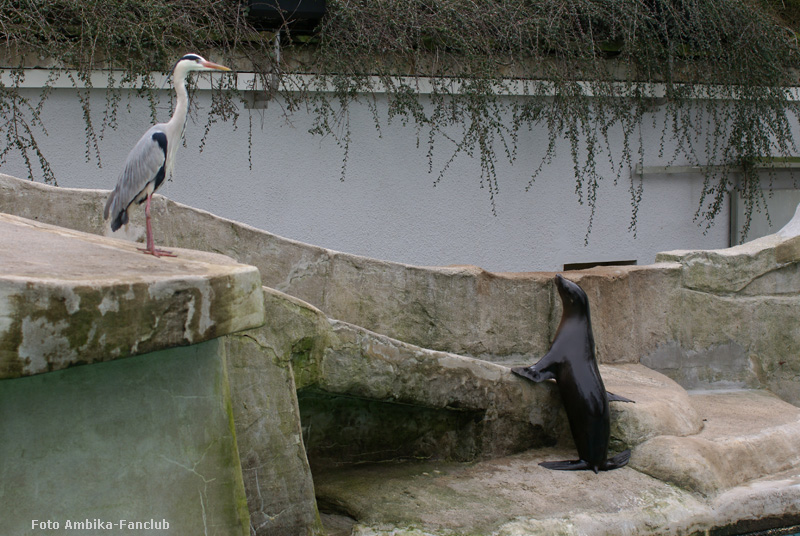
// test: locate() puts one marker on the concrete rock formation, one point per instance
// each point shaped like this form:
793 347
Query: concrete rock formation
379 393
71 298
118 444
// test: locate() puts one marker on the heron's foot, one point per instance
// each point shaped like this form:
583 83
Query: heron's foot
155 252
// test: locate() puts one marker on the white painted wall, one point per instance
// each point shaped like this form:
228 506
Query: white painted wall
388 206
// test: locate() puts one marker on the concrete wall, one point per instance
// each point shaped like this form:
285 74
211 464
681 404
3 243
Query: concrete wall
364 397
277 476
733 320
708 307
705 318
388 207
140 439
125 396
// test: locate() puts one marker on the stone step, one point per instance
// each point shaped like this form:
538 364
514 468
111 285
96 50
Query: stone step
512 413
69 298
514 496
741 472
747 434
661 406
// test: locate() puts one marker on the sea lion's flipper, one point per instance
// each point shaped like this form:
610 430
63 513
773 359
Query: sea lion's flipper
532 374
620 460
566 465
616 398
545 368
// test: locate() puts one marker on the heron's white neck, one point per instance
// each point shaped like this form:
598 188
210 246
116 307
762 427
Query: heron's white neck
178 119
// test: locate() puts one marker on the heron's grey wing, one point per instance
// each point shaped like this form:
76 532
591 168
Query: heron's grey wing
145 164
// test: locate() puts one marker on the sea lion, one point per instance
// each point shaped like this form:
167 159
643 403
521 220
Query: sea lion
572 364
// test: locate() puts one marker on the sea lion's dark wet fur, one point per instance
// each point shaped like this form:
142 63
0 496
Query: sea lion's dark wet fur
572 363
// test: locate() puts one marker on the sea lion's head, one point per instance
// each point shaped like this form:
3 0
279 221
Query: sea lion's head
573 298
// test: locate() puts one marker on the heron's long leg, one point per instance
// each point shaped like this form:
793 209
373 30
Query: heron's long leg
151 246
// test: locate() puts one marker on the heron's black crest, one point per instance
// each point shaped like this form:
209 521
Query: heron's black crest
190 57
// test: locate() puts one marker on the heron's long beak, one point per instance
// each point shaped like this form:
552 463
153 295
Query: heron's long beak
214 66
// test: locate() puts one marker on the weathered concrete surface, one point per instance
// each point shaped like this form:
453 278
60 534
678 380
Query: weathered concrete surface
139 439
69 298
734 341
463 310
369 378
277 477
333 359
363 393
514 496
409 303
503 413
734 320
662 407
363 381
741 471
747 435
758 264
162 439
514 414
732 309
478 499
725 365
631 308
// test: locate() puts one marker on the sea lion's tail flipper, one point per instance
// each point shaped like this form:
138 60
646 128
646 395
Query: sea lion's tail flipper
616 398
566 465
620 460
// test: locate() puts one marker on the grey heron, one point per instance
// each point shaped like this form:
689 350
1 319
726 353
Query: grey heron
152 159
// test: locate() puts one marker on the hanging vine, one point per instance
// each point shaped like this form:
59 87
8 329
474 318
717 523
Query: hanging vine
582 70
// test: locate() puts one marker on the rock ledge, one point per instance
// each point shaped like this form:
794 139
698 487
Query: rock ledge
70 298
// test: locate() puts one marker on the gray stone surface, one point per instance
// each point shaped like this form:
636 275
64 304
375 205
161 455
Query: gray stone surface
661 406
139 439
632 308
515 414
733 340
737 304
724 366
461 309
509 415
69 298
706 318
335 361
277 477
514 496
739 471
747 435
733 321
479 498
